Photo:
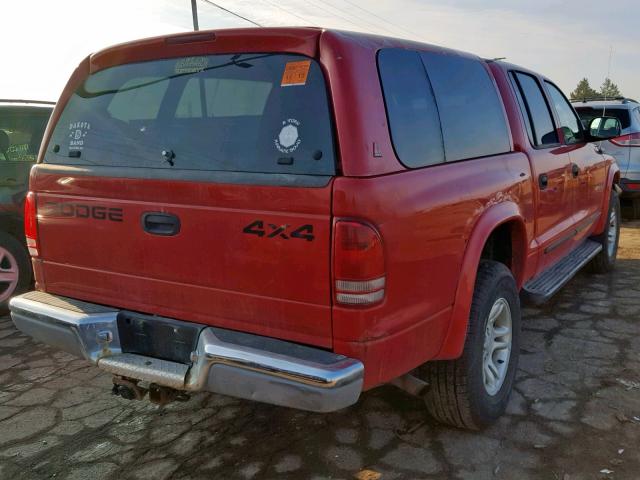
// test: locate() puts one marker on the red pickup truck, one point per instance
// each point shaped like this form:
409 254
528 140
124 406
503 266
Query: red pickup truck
297 215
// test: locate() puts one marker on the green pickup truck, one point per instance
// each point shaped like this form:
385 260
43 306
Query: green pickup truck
22 125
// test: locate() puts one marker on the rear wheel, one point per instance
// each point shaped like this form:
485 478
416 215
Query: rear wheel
473 391
15 270
605 261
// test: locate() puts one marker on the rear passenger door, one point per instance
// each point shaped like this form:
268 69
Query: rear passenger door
550 165
587 169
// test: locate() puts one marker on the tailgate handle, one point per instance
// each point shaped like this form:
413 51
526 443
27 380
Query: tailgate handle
158 223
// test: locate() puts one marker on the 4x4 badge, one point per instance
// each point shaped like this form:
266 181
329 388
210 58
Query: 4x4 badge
257 227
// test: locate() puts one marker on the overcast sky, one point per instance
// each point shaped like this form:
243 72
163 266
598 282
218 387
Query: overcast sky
566 40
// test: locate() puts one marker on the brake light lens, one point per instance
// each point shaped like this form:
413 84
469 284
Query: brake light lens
630 140
358 264
31 224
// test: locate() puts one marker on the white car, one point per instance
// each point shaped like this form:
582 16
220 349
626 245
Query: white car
625 148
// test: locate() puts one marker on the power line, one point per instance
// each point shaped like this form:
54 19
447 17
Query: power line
290 13
359 18
366 22
337 15
336 12
232 13
382 18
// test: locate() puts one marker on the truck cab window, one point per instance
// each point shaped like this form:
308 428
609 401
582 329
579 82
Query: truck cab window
569 122
535 110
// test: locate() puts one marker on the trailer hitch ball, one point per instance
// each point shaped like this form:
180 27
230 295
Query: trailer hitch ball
124 392
128 389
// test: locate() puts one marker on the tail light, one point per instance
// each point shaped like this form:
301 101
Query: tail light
31 224
630 140
358 264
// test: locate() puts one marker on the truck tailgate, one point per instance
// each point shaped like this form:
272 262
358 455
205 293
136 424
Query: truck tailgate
246 257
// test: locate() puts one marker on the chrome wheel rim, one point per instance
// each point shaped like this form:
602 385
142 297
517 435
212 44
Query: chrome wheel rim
612 233
497 346
9 274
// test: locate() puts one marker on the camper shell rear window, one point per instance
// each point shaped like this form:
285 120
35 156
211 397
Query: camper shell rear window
256 113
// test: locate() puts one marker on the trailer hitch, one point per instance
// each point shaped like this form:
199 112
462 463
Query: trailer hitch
129 389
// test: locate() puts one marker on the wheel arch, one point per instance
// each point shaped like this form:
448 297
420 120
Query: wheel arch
613 178
502 217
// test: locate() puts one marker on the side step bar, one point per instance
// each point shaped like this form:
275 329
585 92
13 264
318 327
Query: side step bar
541 288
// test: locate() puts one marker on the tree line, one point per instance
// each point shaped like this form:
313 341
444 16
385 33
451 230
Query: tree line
608 89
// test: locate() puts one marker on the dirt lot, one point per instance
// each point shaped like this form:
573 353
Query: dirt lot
575 413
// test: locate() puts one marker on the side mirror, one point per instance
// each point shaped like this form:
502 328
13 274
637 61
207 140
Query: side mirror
604 128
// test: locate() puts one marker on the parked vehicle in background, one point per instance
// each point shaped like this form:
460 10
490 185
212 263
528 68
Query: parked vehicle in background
624 148
334 212
22 125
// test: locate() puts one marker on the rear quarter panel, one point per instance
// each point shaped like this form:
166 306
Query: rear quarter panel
426 218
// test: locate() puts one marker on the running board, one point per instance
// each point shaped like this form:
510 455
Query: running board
541 288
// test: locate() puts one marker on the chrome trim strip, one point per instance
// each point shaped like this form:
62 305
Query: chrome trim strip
586 223
214 176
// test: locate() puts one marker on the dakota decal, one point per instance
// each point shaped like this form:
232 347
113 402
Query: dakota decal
77 132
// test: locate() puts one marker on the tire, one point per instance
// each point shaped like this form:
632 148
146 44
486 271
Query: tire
458 394
635 208
13 256
605 261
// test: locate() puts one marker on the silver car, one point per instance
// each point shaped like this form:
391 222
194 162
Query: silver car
625 148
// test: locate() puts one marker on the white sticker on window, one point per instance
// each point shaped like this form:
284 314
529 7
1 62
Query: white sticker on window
191 64
77 132
288 140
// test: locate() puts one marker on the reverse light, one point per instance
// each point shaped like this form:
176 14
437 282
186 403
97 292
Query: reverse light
31 224
629 140
358 264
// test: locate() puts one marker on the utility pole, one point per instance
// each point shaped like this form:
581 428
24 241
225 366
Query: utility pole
194 13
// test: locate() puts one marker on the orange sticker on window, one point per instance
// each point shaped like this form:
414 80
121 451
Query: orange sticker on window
295 73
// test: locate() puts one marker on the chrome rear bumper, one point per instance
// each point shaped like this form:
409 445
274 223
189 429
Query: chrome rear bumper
226 362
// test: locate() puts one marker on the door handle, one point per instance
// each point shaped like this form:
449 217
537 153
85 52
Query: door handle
575 170
543 181
158 223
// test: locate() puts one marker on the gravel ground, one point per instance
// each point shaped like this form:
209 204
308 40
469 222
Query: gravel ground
575 412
